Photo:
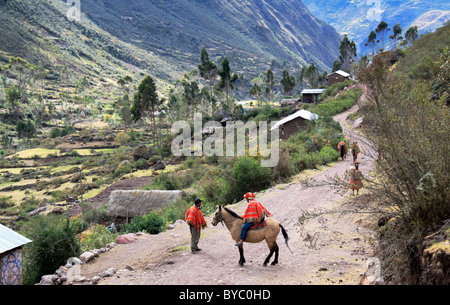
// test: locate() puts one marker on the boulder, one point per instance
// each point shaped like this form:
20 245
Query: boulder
126 239
47 280
87 256
142 152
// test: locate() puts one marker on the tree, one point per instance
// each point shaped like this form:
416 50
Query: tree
270 84
382 30
396 36
372 42
208 70
288 82
25 129
411 35
348 53
312 75
336 66
226 82
146 100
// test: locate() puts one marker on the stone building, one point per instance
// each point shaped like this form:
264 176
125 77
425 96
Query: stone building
11 244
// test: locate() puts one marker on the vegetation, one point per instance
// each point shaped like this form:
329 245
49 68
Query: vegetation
408 120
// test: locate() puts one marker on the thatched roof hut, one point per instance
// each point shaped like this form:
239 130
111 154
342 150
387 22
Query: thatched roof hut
137 203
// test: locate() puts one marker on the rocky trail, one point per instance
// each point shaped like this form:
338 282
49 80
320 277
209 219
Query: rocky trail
329 249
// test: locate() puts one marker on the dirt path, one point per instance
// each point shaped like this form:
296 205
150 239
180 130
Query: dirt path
330 249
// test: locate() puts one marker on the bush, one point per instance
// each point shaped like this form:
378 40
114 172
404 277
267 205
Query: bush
54 242
122 138
328 155
249 176
98 238
151 223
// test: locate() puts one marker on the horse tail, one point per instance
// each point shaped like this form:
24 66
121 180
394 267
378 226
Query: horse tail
286 237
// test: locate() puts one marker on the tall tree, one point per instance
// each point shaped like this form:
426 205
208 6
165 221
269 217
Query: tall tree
270 84
146 100
348 53
288 82
382 30
411 35
372 42
208 70
397 34
226 81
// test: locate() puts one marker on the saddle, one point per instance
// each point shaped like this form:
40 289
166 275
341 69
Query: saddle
258 226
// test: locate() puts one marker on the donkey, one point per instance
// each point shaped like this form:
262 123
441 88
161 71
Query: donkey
269 233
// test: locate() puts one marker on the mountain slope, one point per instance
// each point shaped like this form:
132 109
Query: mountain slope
355 17
164 38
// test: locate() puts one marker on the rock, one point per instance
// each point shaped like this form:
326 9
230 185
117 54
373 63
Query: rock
108 273
47 280
142 152
58 210
159 166
96 252
129 267
110 246
87 256
95 279
126 239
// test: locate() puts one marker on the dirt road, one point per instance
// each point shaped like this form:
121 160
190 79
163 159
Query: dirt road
329 249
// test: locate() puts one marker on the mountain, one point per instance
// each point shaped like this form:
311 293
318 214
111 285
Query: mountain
163 37
358 17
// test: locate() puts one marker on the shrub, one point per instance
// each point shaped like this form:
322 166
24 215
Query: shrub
151 223
98 238
54 242
328 155
122 138
249 176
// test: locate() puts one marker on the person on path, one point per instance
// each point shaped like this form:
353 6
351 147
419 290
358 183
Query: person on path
355 179
342 147
253 215
194 218
355 151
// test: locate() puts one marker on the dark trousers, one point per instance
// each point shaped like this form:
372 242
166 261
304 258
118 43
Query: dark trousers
195 238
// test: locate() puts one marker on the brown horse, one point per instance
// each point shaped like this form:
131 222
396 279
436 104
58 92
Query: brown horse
269 233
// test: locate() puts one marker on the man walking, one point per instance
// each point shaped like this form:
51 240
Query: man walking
194 218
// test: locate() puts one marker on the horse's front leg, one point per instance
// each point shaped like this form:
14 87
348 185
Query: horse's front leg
241 253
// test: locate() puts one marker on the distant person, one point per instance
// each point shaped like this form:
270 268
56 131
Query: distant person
253 215
196 221
355 151
355 179
342 147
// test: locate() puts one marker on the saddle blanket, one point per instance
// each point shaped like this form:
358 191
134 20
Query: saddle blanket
259 226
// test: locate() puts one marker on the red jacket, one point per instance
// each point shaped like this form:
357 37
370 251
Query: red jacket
194 217
255 212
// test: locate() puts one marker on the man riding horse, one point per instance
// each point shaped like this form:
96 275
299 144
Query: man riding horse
253 216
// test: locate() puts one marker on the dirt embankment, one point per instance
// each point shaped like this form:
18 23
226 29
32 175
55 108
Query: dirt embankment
329 249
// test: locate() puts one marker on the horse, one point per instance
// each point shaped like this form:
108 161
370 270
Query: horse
269 233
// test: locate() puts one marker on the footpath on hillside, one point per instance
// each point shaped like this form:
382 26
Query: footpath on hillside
329 249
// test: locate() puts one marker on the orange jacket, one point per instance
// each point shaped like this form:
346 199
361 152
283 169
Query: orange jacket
194 217
255 212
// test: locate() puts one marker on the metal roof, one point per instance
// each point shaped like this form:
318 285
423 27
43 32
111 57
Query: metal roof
299 114
340 72
313 91
10 240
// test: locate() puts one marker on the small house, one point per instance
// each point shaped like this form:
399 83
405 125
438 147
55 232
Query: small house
293 123
11 244
337 77
311 95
